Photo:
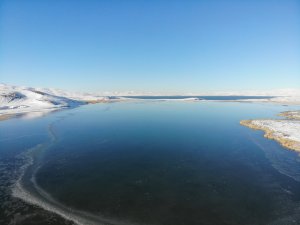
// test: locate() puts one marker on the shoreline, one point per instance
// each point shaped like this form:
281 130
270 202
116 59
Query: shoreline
7 116
44 111
27 189
285 131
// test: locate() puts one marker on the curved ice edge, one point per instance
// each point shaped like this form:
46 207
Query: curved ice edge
42 199
18 191
46 202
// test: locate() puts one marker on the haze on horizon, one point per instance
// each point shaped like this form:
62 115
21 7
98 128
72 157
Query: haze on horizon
157 46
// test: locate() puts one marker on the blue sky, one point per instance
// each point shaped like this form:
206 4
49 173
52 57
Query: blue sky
173 46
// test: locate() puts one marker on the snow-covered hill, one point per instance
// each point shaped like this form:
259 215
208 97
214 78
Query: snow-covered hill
18 100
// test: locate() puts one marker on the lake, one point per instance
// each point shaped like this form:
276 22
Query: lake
147 162
204 97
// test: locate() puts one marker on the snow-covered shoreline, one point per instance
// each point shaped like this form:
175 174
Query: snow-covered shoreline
32 102
15 100
285 131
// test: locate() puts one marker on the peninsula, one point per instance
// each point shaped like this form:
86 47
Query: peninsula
286 131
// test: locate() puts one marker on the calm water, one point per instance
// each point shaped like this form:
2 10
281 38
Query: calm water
158 163
229 98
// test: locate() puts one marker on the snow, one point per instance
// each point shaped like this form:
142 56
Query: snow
19 100
71 95
289 129
285 131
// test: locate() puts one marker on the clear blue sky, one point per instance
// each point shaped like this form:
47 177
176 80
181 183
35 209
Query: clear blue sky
161 45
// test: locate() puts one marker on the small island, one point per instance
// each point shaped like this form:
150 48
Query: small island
285 131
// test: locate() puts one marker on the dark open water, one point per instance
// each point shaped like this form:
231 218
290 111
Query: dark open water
158 163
